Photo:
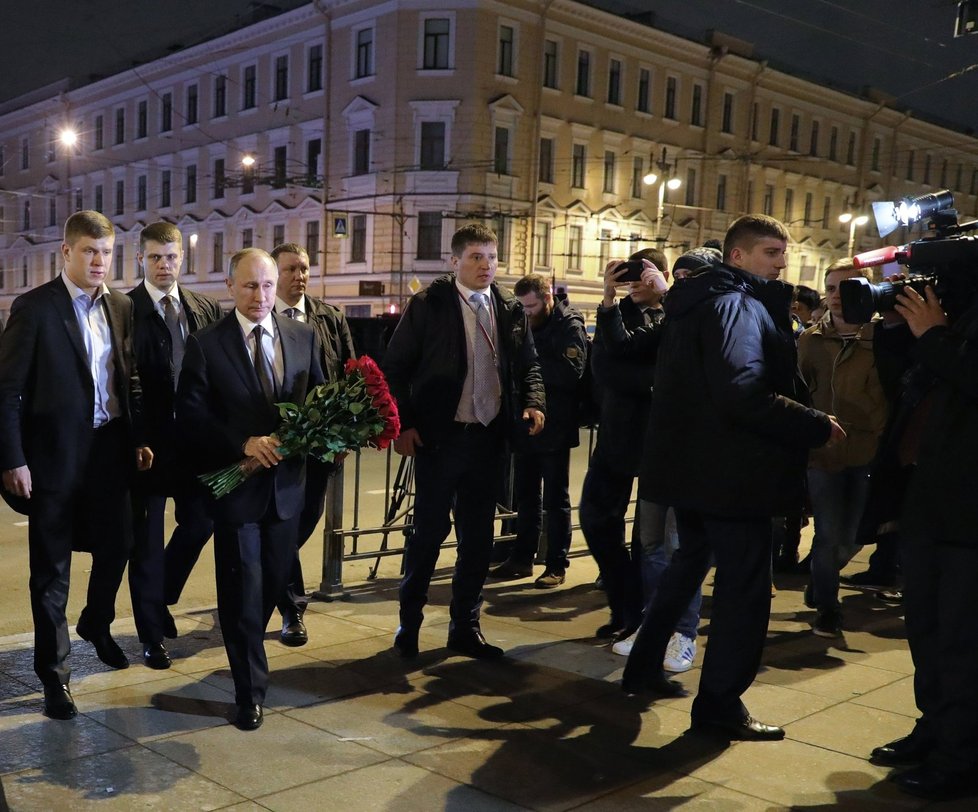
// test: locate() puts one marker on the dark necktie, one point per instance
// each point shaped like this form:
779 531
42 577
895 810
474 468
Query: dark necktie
262 367
177 342
292 312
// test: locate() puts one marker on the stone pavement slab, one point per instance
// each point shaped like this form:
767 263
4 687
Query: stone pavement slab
349 725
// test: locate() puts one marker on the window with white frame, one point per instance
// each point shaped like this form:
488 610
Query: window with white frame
314 68
431 152
578 165
669 102
249 87
542 244
506 51
546 160
582 86
610 160
643 99
500 150
575 247
550 64
364 53
436 44
358 238
429 235
280 78
614 81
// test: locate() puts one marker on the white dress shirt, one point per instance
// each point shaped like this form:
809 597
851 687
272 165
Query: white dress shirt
93 321
271 343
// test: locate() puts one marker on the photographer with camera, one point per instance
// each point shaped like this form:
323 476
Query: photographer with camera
939 528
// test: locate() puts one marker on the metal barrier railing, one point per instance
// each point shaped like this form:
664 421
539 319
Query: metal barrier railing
395 518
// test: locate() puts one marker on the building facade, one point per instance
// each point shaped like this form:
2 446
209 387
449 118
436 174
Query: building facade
368 130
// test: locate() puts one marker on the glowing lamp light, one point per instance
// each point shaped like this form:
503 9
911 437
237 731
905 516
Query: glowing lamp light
248 160
68 137
650 178
674 183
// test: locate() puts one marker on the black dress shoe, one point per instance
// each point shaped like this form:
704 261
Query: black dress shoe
58 703
905 752
106 649
934 783
155 656
169 627
609 631
406 643
657 685
748 730
293 631
248 717
473 644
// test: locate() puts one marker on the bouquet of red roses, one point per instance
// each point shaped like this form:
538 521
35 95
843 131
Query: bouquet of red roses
355 412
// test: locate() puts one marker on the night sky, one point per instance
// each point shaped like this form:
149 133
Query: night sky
903 47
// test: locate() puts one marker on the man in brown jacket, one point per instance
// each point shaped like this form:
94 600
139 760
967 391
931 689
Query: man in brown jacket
838 362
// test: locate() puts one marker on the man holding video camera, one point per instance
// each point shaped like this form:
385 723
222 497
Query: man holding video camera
939 440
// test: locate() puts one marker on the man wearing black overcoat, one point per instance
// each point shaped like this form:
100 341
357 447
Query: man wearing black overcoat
69 445
164 314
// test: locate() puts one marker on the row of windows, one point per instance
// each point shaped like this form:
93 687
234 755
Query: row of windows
196 263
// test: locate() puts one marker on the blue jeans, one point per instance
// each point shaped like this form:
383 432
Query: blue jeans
838 499
660 539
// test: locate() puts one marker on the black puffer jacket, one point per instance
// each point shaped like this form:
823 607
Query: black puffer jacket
426 360
562 353
623 375
727 434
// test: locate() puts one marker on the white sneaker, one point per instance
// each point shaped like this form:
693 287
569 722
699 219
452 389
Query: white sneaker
624 647
680 654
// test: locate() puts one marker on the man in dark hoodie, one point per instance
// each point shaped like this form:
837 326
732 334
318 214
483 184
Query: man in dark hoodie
462 367
726 413
544 460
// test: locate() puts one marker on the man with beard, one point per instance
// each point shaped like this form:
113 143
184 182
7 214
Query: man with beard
544 459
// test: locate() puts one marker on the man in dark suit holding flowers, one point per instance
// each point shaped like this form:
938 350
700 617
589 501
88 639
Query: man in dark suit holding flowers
234 372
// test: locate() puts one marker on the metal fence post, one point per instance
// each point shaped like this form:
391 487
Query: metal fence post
331 586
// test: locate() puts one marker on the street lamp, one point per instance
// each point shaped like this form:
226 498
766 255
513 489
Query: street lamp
671 183
853 221
68 138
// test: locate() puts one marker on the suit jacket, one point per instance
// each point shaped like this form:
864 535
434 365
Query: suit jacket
47 396
220 405
154 355
335 339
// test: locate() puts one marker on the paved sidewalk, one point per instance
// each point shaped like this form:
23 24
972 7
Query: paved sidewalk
350 726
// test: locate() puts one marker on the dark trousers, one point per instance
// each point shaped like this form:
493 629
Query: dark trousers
147 565
94 517
939 583
604 502
252 566
741 609
185 545
461 472
551 471
292 600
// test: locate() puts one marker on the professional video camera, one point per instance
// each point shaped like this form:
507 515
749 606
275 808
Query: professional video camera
947 260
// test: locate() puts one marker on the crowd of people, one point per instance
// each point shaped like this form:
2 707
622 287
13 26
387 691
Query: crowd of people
739 404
